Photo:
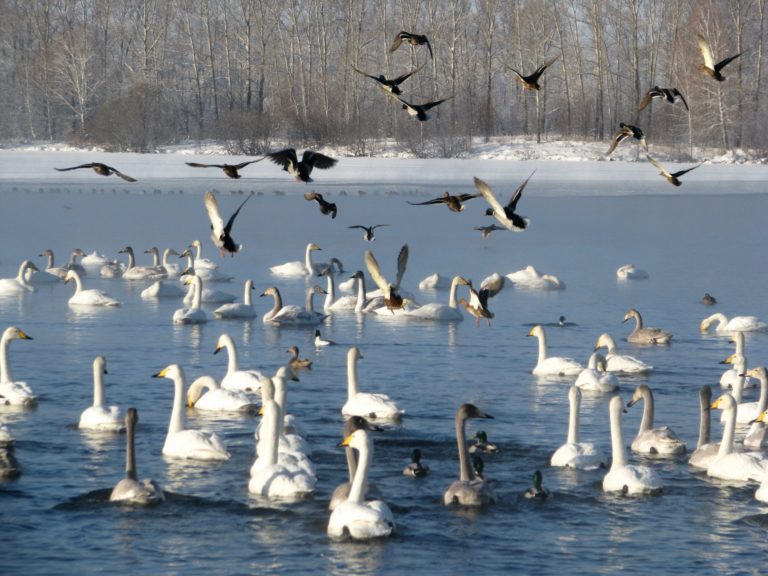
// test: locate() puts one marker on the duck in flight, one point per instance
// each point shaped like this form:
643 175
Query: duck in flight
392 299
419 111
455 203
478 302
531 82
368 235
671 95
325 206
709 67
230 170
101 170
506 215
220 233
301 169
674 177
412 39
390 85
626 131
486 231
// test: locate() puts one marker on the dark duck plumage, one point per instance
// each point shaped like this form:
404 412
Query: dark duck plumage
101 170
325 206
531 82
478 303
671 95
416 469
412 39
230 170
454 202
221 233
709 67
390 85
506 215
674 177
392 299
368 235
301 169
419 111
627 131
537 490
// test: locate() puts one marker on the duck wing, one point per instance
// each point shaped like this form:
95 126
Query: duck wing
373 269
212 207
681 172
518 193
317 160
706 53
659 166
284 158
723 63
498 209
402 262
228 227
120 174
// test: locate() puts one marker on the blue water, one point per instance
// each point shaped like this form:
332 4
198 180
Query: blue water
55 517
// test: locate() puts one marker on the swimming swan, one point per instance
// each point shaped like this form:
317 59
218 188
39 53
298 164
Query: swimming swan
356 518
440 312
130 490
12 392
620 363
630 272
735 324
366 404
162 289
757 436
706 451
194 314
575 454
553 365
90 296
749 411
468 490
235 378
98 417
238 310
649 440
594 378
641 335
181 443
19 284
531 279
622 477
215 398
293 315
297 268
133 272
728 464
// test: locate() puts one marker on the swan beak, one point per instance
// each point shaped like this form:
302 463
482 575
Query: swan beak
631 403
24 336
345 442
703 328
218 348
715 405
728 360
190 404
261 411
160 374
531 332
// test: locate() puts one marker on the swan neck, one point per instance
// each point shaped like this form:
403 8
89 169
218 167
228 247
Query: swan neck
50 260
351 462
197 300
155 258
308 304
5 367
98 384
331 292
178 419
542 346
705 423
360 479
726 445
738 386
352 388
360 304
271 429
466 474
131 259
198 250
452 295
762 403
78 282
281 392
646 423
130 450
617 438
232 361
308 261
573 419
247 297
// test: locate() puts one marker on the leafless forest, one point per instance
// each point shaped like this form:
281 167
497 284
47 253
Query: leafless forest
136 74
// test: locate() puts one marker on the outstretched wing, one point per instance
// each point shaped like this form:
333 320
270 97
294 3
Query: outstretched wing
440 200
429 47
617 138
244 164
123 176
679 94
706 53
198 165
646 100
433 104
362 227
318 160
284 158
397 41
498 209
661 168
403 77
75 167
365 74
681 172
519 192
373 269
212 207
723 63
228 227
402 262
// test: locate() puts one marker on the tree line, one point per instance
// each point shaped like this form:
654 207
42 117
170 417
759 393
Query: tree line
137 74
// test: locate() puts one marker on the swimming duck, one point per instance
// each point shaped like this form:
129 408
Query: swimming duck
419 111
641 335
392 299
671 95
320 342
531 82
649 440
301 170
504 214
220 233
412 39
325 206
390 85
297 363
626 131
537 490
416 468
708 299
368 235
230 170
480 444
478 302
671 177
101 170
455 203
709 67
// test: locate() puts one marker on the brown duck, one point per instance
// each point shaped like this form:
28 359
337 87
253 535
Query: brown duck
230 170
455 203
412 39
674 177
671 95
531 82
627 131
709 67
101 170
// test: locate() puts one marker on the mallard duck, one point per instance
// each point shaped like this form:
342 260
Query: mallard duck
419 111
708 299
297 363
101 170
368 235
709 67
301 169
230 170
321 342
454 202
671 95
325 206
478 303
390 85
531 82
412 39
537 490
485 231
626 131
480 444
416 468
220 233
392 299
504 214
673 177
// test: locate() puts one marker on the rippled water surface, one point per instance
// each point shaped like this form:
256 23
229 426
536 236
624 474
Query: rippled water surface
55 518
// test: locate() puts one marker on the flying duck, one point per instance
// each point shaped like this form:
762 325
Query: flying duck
419 111
531 82
368 235
230 170
390 85
485 231
504 214
101 170
412 39
671 95
674 177
325 206
625 131
454 203
478 303
392 299
220 233
301 170
709 67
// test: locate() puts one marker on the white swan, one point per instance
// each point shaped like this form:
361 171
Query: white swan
182 443
735 324
130 490
434 282
133 272
236 379
194 314
237 309
575 454
198 260
356 518
172 269
644 335
622 477
630 272
620 363
297 268
20 284
209 296
94 260
162 289
594 378
440 312
706 451
51 273
341 492
531 279
293 315
342 303
215 398
90 296
649 440
731 377
757 435
99 417
552 365
13 392
749 411
728 464
468 490
365 404
206 273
